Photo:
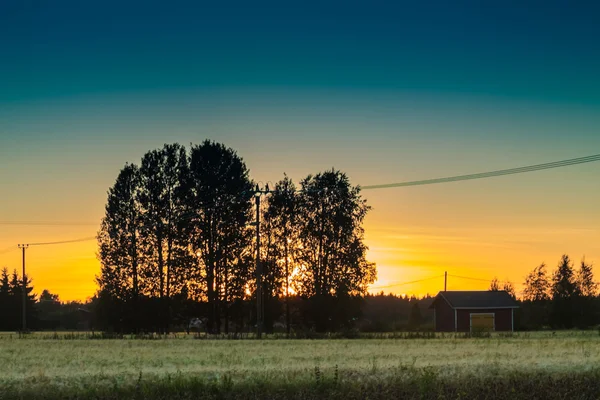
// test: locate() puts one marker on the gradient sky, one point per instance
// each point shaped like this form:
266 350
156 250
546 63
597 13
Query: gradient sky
384 92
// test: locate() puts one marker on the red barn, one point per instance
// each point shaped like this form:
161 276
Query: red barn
462 311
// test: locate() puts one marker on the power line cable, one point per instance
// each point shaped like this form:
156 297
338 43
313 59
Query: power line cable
469 278
85 239
8 249
490 174
48 223
478 279
406 283
482 175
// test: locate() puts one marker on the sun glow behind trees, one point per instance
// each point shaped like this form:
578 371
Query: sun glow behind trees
184 221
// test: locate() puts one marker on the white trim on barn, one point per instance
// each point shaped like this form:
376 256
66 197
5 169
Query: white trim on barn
445 299
512 320
455 320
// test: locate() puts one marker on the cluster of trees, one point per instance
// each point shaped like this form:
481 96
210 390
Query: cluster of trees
389 313
53 314
11 301
43 312
177 240
565 299
507 286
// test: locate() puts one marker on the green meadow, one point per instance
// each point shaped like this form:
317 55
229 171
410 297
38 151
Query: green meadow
525 365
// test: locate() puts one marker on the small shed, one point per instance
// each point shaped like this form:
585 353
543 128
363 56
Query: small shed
464 311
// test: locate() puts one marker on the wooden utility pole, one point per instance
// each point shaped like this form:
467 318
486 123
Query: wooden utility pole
287 288
445 279
24 327
260 309
259 294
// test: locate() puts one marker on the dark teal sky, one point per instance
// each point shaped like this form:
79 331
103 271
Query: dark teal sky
538 50
384 90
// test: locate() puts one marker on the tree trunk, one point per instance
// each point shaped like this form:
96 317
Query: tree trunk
226 296
168 278
287 285
134 272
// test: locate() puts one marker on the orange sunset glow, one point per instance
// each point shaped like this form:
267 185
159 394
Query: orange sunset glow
500 227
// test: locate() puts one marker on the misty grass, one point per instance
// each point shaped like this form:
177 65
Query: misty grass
184 367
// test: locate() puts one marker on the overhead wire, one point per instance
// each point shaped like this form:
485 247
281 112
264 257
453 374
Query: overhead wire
48 223
490 174
477 279
489 281
456 178
406 283
85 239
8 249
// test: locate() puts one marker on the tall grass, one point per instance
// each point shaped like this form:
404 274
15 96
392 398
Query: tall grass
411 383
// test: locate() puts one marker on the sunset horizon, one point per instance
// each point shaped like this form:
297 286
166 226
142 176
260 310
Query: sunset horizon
411 260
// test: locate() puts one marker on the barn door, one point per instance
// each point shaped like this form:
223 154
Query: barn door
483 322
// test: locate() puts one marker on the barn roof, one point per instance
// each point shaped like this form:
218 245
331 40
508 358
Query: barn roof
476 299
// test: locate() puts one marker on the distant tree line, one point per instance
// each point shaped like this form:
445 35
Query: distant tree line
44 312
177 240
565 299
11 301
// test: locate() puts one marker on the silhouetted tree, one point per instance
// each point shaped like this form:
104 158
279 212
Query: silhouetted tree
495 285
536 284
7 314
535 298
219 199
161 177
119 252
510 289
331 258
565 293
49 310
587 289
15 302
281 229
585 280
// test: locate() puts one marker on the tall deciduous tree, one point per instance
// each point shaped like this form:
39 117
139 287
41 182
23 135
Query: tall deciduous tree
282 221
219 197
332 255
510 289
537 286
119 251
495 285
161 179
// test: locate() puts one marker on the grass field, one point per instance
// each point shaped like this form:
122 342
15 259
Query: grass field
527 365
